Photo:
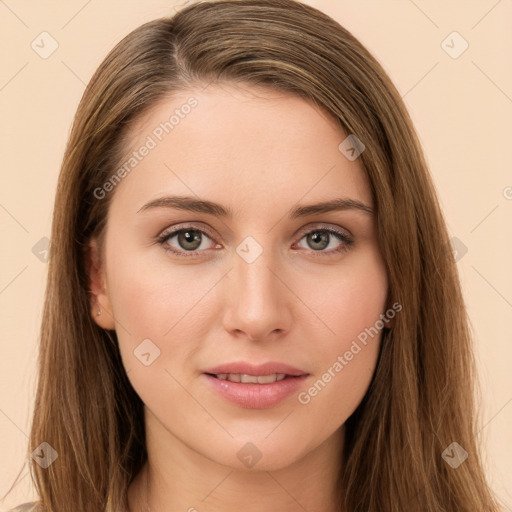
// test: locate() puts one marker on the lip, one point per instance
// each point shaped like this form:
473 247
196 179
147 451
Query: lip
256 396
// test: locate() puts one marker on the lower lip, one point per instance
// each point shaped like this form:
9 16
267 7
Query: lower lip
256 396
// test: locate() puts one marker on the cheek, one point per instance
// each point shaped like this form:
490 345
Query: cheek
347 300
167 304
153 297
350 308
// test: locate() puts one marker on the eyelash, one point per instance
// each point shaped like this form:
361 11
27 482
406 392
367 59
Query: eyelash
347 241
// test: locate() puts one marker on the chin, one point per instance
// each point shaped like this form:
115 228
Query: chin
258 453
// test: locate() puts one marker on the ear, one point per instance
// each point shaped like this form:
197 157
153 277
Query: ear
391 323
100 306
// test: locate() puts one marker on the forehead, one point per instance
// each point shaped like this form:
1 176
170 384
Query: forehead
251 145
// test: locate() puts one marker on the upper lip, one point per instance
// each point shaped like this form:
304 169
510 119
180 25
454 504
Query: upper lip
242 367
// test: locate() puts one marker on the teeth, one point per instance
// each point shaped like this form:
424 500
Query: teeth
251 379
246 379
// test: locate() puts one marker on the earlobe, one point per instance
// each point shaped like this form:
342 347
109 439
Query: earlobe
390 320
100 306
390 323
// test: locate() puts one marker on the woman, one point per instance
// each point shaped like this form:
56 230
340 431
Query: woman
252 298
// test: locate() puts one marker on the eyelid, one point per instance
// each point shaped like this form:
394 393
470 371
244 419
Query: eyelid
342 234
199 226
324 226
183 226
204 227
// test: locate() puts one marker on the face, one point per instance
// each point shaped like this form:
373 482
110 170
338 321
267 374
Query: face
246 277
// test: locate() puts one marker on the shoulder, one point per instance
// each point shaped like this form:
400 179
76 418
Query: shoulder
33 506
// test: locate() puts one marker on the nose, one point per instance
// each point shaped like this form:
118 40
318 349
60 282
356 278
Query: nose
259 303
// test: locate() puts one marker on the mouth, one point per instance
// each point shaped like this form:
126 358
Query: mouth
251 379
255 387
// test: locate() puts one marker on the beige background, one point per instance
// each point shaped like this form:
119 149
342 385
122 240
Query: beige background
461 108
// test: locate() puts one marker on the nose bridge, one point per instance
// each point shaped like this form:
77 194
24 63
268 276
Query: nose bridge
258 304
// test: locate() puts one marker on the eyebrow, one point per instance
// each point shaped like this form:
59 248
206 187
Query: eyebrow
192 204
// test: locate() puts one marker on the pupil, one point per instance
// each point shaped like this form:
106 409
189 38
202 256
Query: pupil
316 237
189 237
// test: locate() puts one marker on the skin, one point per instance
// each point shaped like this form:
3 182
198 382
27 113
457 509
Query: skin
259 152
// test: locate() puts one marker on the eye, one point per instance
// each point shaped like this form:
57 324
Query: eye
319 239
190 241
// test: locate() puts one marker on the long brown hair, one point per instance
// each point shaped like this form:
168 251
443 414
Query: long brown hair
422 396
